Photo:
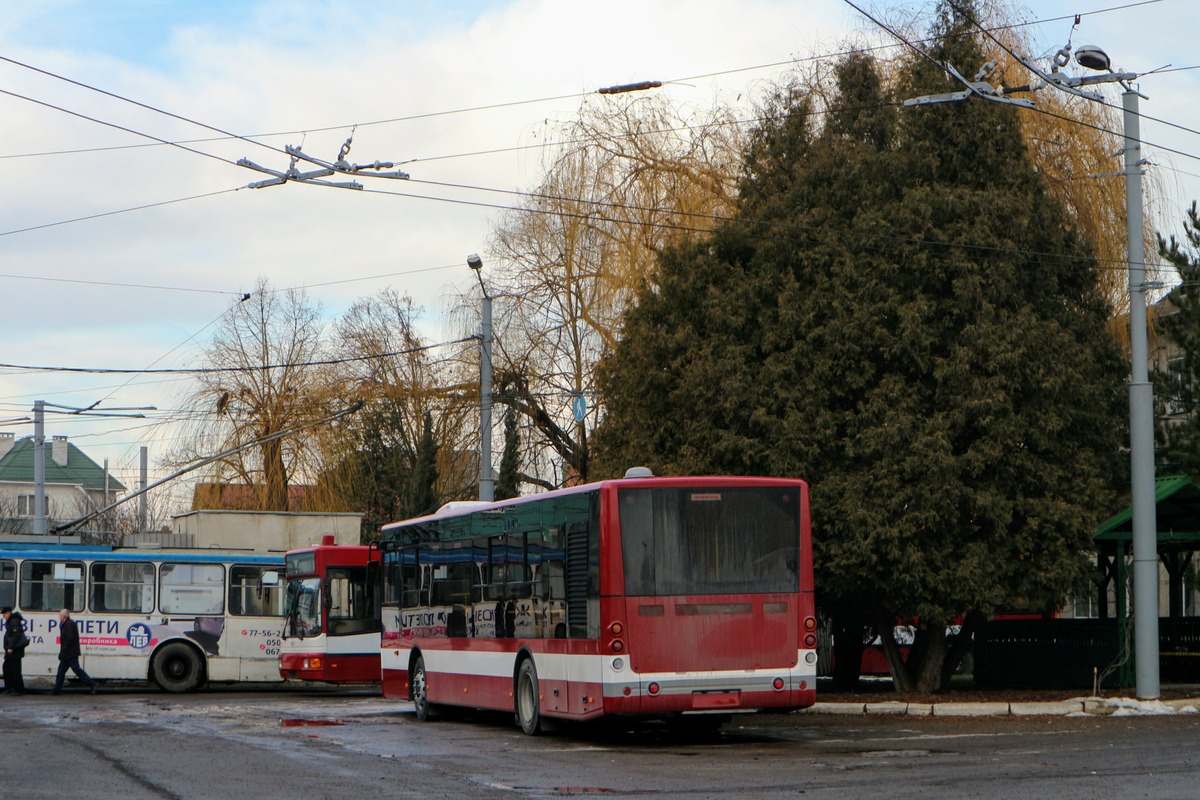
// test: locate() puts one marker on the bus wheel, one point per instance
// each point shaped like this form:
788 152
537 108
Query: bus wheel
420 690
528 706
177 668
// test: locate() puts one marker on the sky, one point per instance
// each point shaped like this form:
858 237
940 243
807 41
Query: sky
119 252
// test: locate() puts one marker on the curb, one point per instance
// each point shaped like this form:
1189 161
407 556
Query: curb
1090 706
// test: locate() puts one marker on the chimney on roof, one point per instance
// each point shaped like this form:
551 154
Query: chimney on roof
58 450
6 443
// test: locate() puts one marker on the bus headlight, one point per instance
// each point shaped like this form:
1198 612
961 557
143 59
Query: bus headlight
618 664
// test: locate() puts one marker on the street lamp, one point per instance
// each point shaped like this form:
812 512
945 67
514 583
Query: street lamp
1141 393
486 482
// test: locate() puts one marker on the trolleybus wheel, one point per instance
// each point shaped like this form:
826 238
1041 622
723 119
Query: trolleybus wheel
177 668
528 711
420 689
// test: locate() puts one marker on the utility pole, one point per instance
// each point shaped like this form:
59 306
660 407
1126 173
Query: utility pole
487 484
1141 421
40 526
143 482
39 467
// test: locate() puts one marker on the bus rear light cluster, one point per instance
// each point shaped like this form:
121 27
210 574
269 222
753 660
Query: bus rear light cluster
312 663
810 623
810 640
617 646
616 629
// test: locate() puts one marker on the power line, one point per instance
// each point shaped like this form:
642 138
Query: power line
210 370
110 214
114 125
251 138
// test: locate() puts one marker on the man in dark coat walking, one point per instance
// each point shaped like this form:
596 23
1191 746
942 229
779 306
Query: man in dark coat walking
68 653
14 635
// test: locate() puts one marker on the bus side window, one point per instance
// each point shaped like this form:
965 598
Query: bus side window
249 596
8 583
192 589
409 583
52 585
121 587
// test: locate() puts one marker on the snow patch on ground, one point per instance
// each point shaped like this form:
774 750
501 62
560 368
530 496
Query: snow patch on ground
1128 707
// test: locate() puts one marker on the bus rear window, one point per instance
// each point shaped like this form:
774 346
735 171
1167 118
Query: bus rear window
702 540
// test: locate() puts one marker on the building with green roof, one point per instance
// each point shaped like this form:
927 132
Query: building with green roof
75 484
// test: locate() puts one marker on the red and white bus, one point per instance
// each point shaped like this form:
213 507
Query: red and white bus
331 619
677 598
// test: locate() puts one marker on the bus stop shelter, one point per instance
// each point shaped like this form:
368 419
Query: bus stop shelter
1177 505
1084 652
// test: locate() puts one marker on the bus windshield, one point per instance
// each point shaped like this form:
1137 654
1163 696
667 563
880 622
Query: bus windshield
303 608
698 541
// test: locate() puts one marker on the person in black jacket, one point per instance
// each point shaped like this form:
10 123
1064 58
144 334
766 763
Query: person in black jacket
68 653
14 650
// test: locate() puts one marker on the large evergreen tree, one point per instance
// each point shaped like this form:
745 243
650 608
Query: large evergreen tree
1179 436
422 495
899 314
508 481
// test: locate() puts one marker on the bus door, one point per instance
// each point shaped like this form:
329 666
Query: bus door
251 627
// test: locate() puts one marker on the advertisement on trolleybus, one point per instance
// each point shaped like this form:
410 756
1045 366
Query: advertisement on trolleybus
685 599
177 618
331 621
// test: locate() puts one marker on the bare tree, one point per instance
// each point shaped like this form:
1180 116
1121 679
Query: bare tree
266 383
401 381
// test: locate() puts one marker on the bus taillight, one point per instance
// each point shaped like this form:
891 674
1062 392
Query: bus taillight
810 640
616 629
617 646
312 663
652 689
777 684
810 623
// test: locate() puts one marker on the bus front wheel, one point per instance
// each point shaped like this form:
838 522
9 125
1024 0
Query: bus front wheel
529 708
177 668
420 689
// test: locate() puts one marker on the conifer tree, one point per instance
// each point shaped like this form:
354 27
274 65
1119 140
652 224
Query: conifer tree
508 481
422 494
900 315
1176 390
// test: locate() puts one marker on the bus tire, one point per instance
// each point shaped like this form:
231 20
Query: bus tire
528 709
419 683
177 668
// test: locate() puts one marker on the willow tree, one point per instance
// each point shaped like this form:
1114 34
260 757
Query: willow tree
261 385
903 314
630 178
412 445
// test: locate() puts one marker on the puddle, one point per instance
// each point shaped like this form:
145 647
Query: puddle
308 723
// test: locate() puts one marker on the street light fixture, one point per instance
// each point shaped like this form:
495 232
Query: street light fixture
1141 392
486 482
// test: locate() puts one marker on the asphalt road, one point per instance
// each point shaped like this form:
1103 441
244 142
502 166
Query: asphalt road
136 743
